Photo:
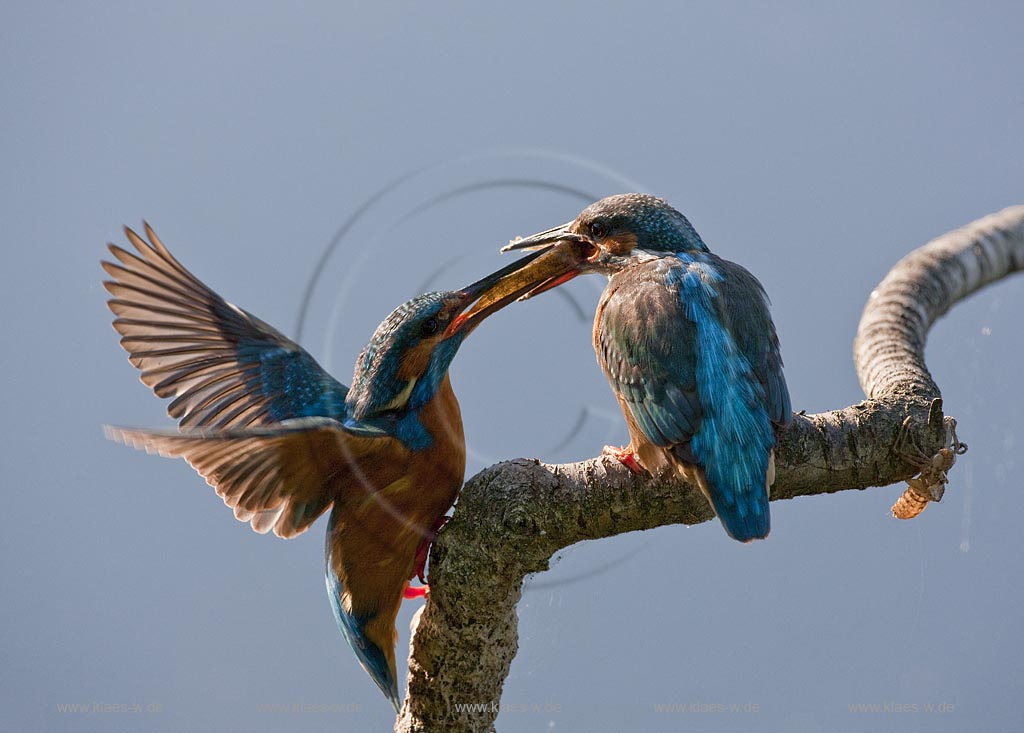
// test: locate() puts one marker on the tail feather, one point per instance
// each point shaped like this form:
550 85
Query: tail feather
743 512
378 662
370 556
744 519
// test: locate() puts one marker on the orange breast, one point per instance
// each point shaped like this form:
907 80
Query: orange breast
381 521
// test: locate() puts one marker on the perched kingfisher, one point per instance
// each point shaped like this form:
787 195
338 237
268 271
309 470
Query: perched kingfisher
690 351
282 441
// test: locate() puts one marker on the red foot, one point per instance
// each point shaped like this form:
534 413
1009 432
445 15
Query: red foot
420 592
424 550
626 456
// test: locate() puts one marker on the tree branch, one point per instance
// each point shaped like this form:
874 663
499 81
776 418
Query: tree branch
512 517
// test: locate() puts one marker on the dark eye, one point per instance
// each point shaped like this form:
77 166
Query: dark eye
598 230
429 327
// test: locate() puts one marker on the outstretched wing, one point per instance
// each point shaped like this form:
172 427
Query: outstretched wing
223 367
279 477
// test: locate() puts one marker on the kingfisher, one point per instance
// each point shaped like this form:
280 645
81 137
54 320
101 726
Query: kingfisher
687 343
282 441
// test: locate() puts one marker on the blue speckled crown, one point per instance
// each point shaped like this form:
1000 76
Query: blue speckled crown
658 226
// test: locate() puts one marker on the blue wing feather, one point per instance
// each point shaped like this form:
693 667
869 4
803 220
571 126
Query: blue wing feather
223 367
647 353
743 309
697 366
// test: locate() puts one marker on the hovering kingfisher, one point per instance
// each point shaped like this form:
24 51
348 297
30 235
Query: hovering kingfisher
689 348
282 441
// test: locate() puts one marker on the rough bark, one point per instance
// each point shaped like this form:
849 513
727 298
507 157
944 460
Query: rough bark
512 517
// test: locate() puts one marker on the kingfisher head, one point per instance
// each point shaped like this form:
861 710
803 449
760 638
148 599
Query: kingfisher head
620 229
404 364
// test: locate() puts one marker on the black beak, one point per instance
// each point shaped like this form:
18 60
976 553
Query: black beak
541 239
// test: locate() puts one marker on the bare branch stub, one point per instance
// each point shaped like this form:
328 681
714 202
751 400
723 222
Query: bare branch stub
513 516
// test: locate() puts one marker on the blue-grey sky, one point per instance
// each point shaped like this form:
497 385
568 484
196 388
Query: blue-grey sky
815 143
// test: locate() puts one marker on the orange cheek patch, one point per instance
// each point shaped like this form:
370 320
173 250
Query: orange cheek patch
621 244
415 360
